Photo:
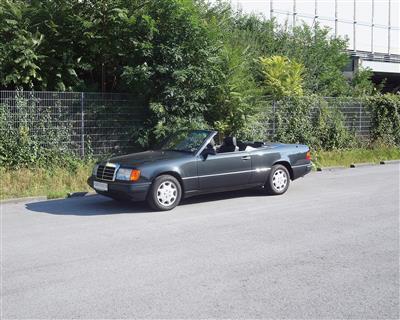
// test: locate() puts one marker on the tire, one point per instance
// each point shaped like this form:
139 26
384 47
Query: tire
278 180
165 193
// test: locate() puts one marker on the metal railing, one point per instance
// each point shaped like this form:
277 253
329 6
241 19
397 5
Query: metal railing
97 123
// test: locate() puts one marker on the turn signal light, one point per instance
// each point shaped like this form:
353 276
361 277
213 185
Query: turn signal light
135 175
308 155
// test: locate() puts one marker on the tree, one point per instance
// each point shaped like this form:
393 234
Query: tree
323 56
362 84
283 77
180 70
20 59
161 51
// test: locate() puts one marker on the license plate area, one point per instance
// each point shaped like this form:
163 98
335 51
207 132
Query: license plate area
101 186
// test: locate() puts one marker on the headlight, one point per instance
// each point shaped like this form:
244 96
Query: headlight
124 174
95 168
128 174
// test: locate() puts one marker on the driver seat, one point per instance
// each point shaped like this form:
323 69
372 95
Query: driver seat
228 145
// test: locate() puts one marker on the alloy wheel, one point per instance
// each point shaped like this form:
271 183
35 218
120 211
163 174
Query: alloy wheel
167 193
279 180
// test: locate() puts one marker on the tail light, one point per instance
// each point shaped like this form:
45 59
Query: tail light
308 155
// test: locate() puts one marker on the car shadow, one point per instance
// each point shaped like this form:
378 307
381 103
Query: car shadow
223 196
92 205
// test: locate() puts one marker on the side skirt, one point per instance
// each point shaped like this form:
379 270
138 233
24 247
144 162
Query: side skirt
192 193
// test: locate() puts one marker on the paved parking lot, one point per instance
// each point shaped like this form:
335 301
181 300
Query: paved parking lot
329 248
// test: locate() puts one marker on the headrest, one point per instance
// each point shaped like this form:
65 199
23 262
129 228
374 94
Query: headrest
258 144
230 141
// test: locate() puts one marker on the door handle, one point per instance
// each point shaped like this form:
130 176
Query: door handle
246 158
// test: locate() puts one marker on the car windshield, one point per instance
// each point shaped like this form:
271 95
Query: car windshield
185 141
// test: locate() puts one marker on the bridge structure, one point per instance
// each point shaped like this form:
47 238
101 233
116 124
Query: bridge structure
371 27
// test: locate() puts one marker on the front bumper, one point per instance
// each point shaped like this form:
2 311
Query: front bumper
134 191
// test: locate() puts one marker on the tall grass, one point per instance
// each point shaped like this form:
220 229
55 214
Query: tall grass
347 157
54 183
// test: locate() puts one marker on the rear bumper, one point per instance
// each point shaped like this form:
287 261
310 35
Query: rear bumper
302 170
128 190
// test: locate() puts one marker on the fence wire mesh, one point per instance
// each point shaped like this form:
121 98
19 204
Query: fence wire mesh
79 122
96 123
356 116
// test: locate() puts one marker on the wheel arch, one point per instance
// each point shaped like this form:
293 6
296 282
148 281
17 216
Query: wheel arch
287 165
175 175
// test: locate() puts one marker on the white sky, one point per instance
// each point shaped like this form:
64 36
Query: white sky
326 9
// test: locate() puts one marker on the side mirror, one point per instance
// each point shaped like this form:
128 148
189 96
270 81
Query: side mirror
208 150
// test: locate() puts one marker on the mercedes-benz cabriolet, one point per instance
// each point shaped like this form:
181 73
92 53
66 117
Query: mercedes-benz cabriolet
191 163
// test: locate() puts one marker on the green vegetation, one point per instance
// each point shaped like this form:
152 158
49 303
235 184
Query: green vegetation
43 145
53 183
313 121
190 63
357 155
385 110
283 77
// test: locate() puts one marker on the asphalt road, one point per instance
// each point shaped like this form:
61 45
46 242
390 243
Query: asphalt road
329 248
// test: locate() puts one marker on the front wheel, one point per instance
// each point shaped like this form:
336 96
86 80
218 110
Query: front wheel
165 193
278 180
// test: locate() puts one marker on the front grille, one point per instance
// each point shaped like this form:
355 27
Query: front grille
106 172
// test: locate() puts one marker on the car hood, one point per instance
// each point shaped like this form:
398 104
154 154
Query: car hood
136 159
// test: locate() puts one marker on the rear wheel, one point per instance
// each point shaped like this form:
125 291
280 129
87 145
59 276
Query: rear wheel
278 180
165 193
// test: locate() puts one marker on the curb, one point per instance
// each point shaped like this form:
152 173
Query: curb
389 161
364 164
25 199
330 168
45 198
80 194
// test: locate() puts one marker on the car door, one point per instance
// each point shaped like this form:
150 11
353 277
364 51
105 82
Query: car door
224 170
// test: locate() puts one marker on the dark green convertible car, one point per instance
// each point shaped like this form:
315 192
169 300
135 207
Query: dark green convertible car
191 163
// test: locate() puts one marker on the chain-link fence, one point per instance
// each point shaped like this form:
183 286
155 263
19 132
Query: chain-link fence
355 115
97 123
84 123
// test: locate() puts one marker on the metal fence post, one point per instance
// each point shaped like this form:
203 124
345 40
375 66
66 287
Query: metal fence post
359 120
273 118
82 125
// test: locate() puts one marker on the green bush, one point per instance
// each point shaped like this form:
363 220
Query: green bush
34 137
329 130
283 77
385 118
293 121
313 121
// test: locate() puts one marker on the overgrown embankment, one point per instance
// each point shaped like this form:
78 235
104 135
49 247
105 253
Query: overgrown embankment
54 182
